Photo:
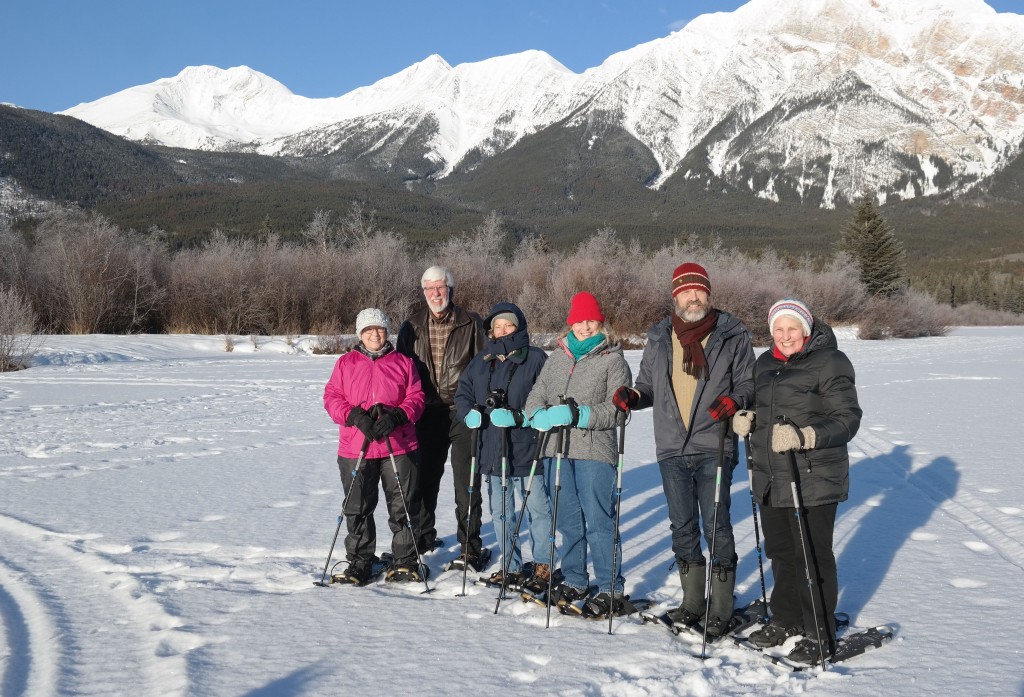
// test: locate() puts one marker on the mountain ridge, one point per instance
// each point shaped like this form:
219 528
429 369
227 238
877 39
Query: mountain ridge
941 80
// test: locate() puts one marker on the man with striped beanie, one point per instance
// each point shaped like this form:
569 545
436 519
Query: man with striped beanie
697 370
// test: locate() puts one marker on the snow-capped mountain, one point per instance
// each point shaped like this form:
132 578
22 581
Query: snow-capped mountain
815 99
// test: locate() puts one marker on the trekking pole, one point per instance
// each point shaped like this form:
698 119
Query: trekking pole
801 525
714 535
408 520
473 445
562 450
757 530
506 554
541 444
341 514
621 418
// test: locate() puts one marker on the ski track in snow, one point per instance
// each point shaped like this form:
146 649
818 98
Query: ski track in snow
75 623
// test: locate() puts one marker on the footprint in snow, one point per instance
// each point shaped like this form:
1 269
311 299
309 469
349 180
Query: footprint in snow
284 504
966 583
1010 510
924 536
990 490
979 547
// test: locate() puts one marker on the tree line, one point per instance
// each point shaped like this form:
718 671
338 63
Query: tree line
79 273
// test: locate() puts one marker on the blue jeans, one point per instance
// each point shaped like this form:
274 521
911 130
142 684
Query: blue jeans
586 517
538 514
689 482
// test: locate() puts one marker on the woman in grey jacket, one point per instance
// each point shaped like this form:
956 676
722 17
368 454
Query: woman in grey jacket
583 371
807 408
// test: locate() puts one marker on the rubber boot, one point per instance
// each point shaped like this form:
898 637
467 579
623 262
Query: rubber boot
723 583
692 579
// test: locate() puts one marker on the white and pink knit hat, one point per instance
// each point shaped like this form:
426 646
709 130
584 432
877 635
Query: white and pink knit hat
791 308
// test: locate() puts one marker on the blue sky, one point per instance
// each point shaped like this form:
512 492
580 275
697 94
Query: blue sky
56 54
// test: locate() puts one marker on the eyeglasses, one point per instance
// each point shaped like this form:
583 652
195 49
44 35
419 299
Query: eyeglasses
440 288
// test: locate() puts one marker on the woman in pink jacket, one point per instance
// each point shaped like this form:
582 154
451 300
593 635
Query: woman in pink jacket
374 395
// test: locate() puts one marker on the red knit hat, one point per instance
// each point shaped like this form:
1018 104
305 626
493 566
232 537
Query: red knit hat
584 306
690 275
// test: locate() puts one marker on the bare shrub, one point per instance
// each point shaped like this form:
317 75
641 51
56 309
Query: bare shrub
835 291
478 261
528 284
13 258
220 289
974 315
290 278
907 316
17 322
89 277
329 340
380 274
321 232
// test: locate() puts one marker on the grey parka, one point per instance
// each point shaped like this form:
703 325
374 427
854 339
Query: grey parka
731 364
591 381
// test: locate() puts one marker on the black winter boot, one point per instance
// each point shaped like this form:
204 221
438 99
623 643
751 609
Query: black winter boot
692 579
723 583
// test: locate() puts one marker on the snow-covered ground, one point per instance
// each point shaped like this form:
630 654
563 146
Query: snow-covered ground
165 507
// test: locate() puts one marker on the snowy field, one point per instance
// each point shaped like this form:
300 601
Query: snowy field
165 507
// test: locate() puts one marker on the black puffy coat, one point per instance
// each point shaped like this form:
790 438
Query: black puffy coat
516 375
815 388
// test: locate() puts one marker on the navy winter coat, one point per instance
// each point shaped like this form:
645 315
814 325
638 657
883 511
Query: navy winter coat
515 375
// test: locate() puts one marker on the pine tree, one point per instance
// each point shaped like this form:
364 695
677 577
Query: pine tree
874 247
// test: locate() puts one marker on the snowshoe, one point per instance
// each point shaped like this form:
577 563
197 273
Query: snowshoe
772 634
353 576
599 606
407 573
537 584
569 599
808 652
515 579
476 563
717 627
683 618
361 573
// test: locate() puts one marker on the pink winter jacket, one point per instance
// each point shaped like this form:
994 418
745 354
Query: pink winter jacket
359 380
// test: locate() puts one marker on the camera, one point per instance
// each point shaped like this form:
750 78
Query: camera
495 399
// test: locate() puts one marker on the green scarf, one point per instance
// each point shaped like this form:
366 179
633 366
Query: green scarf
579 349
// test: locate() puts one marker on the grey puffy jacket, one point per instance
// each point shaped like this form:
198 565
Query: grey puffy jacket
591 381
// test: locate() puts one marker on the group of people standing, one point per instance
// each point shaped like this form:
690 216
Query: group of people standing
545 426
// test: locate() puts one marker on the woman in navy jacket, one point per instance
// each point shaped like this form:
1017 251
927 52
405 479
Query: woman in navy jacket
491 396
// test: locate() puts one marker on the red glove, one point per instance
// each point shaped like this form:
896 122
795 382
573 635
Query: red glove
722 408
625 398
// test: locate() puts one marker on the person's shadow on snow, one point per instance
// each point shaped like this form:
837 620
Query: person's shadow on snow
898 507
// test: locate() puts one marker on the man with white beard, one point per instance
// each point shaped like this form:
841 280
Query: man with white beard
442 339
697 370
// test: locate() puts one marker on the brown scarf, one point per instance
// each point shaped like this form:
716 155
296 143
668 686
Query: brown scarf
690 335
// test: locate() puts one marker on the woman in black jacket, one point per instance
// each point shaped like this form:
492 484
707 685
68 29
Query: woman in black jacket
805 407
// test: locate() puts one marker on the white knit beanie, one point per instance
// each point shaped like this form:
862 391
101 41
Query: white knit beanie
372 317
791 308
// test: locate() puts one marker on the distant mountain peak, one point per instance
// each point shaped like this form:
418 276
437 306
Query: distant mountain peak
817 98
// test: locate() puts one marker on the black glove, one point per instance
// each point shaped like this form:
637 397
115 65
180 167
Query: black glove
361 419
390 418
